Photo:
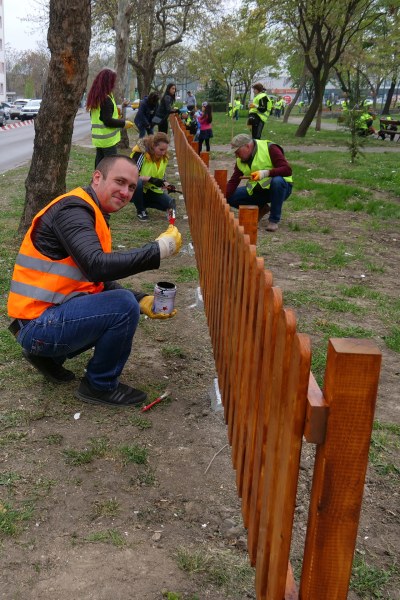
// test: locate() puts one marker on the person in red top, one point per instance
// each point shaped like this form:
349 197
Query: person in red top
269 177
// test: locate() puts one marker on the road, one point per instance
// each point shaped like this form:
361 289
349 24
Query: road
16 145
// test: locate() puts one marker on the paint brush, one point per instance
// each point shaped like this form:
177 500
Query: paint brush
156 401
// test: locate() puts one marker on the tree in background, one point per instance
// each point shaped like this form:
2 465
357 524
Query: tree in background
323 30
63 92
26 72
155 26
237 51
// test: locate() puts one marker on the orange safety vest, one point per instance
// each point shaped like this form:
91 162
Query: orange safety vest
39 281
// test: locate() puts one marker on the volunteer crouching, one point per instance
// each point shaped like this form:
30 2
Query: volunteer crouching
63 297
269 176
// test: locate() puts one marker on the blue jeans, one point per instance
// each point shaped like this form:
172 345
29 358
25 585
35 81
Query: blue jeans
107 321
143 131
150 199
275 195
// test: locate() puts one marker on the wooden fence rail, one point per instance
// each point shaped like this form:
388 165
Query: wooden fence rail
272 402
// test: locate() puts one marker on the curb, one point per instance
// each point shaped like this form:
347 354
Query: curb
16 125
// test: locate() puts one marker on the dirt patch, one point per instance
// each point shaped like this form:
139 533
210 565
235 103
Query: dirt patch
113 527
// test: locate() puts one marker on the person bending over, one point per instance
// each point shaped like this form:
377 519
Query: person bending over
268 174
64 299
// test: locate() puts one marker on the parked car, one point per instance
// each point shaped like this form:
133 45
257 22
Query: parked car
30 110
15 109
6 106
2 117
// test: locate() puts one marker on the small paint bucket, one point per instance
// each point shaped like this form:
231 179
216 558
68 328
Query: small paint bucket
164 297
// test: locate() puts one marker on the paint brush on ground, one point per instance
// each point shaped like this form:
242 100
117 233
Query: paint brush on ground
156 401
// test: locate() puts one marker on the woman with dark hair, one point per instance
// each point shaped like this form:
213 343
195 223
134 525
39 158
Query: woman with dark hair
165 108
106 126
151 157
145 114
205 120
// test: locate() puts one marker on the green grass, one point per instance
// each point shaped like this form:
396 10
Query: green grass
133 454
225 569
105 509
368 581
12 519
187 274
385 445
172 351
110 536
97 449
140 422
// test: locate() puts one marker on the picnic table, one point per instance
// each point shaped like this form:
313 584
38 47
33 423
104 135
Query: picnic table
390 127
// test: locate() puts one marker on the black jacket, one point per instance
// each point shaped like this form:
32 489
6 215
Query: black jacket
145 113
68 229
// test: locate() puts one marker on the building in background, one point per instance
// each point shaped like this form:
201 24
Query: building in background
2 56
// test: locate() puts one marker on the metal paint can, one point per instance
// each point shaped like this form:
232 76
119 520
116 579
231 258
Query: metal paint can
164 297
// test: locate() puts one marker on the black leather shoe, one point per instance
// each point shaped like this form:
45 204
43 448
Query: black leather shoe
124 395
51 370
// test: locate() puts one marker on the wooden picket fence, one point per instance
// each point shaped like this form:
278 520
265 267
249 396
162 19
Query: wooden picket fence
272 402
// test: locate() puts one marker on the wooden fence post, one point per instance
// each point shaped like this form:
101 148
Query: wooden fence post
351 382
205 157
221 177
195 146
248 218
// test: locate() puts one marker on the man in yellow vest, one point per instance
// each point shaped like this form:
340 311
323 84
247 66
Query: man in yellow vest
269 177
260 109
64 299
236 107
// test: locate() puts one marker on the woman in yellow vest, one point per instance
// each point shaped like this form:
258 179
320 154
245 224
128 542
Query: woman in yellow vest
106 124
259 112
151 157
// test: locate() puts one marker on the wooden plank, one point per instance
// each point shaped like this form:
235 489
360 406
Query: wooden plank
248 218
205 157
283 461
252 494
221 177
317 414
350 389
271 492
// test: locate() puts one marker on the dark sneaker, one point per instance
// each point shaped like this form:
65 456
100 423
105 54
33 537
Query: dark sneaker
49 368
124 395
143 216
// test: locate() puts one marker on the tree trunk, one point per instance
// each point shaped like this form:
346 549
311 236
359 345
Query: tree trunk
289 109
121 58
319 117
388 101
68 39
319 87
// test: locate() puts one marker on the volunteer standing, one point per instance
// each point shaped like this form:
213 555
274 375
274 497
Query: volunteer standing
259 112
106 124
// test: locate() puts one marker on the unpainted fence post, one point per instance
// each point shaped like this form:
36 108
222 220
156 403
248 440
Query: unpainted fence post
351 383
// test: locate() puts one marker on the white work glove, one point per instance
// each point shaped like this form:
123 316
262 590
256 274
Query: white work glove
128 124
257 175
170 242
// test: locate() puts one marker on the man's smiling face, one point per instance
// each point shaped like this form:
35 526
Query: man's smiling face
116 188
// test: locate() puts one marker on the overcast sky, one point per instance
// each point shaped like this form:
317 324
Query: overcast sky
19 33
